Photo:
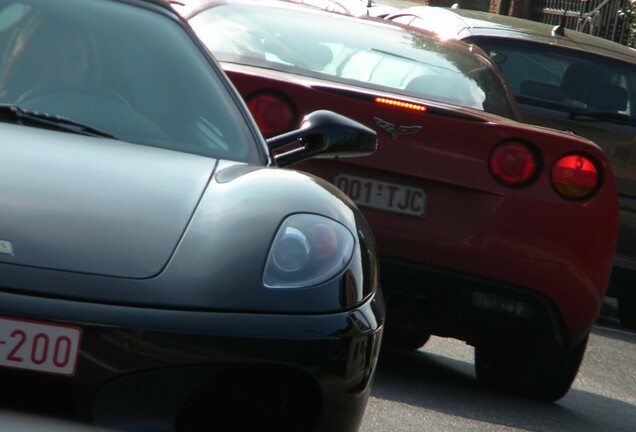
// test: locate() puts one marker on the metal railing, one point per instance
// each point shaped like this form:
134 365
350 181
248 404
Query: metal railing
596 17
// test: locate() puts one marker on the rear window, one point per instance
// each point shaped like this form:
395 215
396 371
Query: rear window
565 80
369 54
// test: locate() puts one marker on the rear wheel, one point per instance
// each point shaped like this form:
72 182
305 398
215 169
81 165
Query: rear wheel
405 339
627 311
542 375
405 323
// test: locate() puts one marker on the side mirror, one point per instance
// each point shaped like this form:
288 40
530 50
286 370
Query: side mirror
325 134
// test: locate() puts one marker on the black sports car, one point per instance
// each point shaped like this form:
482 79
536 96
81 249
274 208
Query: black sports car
159 269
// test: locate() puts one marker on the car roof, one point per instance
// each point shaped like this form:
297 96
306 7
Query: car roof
468 23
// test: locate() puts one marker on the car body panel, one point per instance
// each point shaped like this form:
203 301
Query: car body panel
130 356
95 209
206 253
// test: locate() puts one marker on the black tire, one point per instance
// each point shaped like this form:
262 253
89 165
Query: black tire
405 339
528 371
627 311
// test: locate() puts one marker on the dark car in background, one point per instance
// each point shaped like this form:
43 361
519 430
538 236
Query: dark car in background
160 269
569 81
482 222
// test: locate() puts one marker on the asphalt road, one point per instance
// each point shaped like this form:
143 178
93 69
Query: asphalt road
435 389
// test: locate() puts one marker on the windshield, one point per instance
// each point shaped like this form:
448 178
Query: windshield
576 83
124 71
364 53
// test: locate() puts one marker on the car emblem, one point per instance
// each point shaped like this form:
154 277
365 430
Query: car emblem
6 248
395 131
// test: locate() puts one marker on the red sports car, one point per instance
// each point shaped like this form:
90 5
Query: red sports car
490 231
569 80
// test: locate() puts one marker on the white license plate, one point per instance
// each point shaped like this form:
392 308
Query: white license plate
381 195
38 346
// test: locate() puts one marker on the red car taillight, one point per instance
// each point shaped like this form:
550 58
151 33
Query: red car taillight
575 176
273 113
514 163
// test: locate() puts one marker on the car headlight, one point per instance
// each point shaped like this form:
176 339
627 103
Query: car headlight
308 250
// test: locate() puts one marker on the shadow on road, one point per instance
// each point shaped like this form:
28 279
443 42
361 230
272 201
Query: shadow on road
448 386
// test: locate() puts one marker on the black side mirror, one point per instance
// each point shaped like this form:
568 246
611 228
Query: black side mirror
325 134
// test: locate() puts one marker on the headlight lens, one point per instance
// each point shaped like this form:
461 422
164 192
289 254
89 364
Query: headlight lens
307 250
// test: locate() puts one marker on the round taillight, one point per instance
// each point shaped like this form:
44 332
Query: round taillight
274 115
513 164
575 176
